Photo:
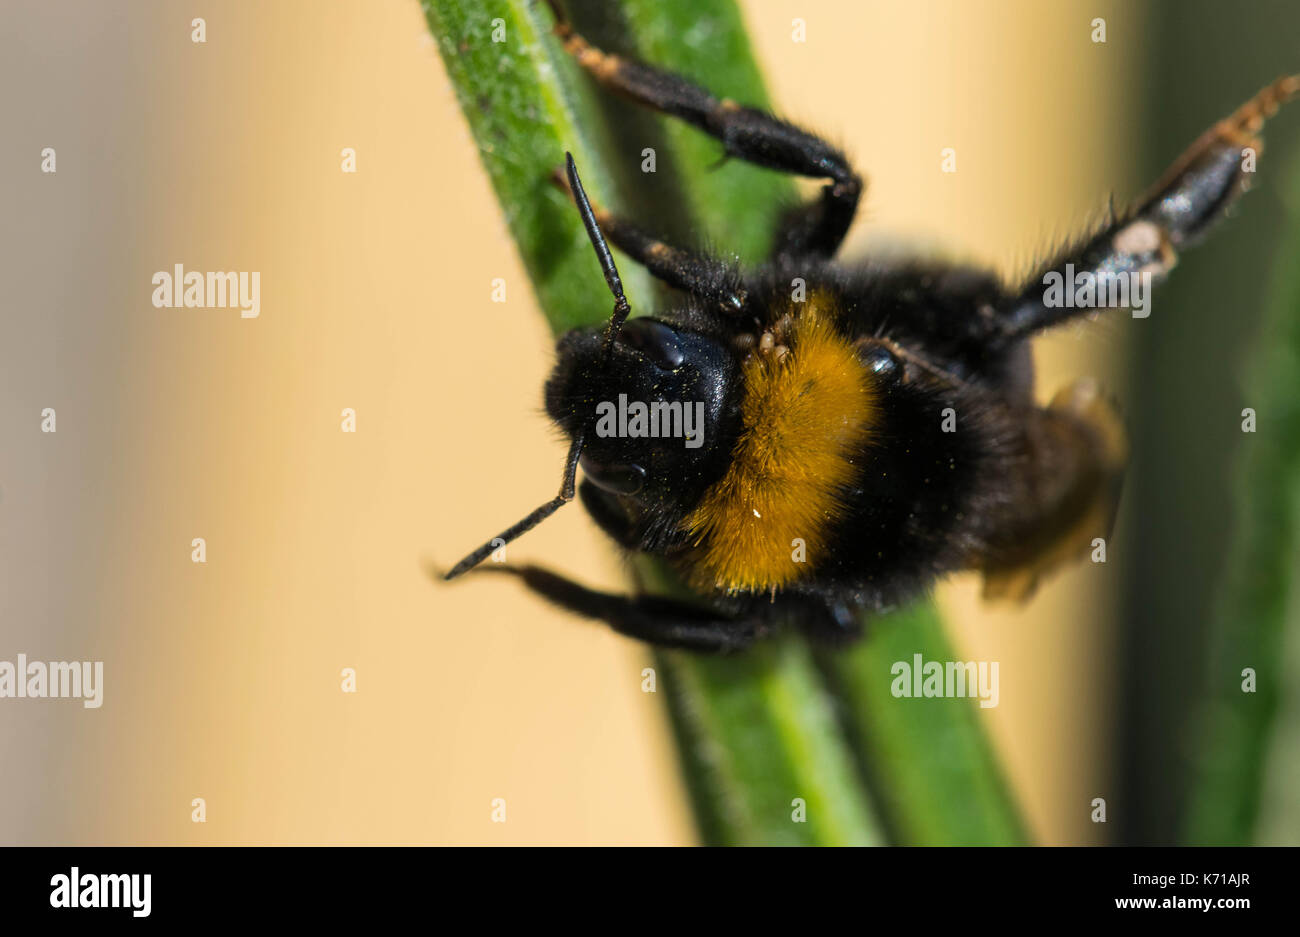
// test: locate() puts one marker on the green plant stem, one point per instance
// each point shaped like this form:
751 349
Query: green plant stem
928 761
523 118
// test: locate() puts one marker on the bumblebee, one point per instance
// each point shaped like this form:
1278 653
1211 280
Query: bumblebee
864 428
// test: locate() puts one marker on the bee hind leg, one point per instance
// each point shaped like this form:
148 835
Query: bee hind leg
1195 192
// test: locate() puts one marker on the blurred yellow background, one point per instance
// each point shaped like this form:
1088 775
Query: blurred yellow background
222 680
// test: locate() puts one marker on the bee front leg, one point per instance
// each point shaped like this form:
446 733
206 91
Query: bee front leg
713 279
657 620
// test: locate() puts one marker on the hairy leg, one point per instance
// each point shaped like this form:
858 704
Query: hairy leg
713 279
815 230
656 620
1193 194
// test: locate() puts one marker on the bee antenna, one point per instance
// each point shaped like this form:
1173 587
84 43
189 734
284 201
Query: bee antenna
621 312
621 308
532 520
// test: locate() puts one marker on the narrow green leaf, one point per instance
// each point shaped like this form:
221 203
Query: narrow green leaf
1251 616
766 760
523 118
928 761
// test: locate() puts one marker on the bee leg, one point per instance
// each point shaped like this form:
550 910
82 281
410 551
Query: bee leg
1070 485
1193 194
657 620
829 622
716 281
815 230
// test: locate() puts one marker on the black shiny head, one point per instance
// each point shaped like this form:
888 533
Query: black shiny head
655 416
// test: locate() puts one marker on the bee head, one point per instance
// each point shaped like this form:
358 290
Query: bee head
652 409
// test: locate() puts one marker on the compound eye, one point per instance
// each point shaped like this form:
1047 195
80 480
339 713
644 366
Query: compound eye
883 363
616 478
654 340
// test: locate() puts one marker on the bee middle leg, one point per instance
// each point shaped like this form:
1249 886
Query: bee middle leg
814 230
657 620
